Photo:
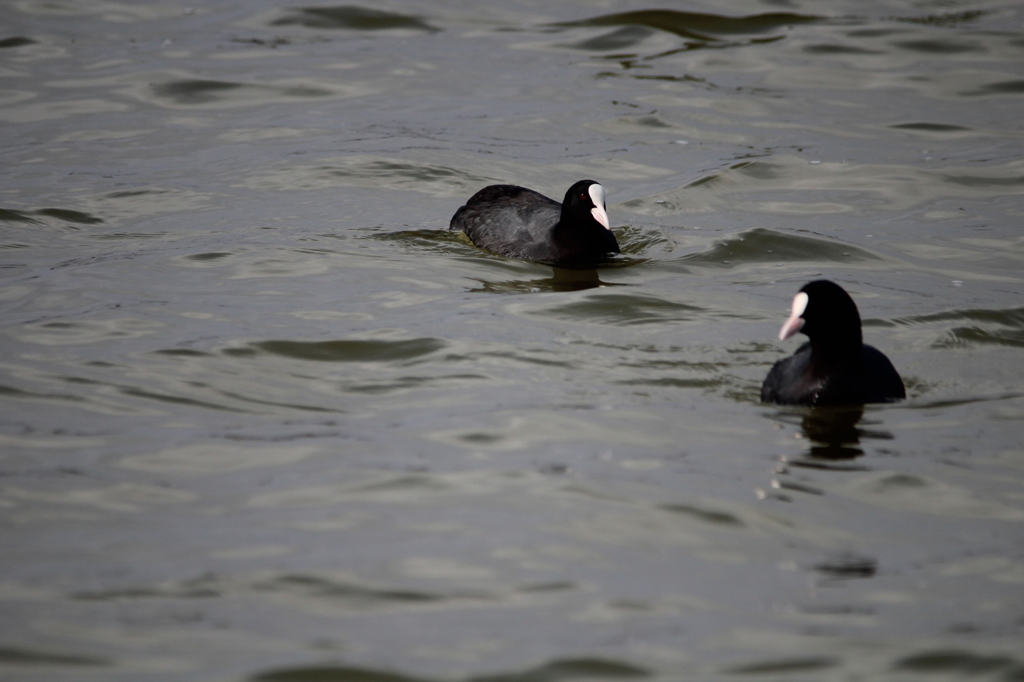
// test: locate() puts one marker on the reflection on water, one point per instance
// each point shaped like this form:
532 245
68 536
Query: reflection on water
834 433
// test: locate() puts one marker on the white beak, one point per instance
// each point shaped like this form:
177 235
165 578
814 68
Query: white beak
599 212
795 323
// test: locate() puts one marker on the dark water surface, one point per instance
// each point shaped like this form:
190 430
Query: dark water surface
263 418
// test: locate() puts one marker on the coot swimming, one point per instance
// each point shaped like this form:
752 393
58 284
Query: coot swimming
521 223
835 367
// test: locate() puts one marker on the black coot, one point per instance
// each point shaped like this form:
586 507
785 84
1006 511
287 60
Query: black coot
835 367
521 223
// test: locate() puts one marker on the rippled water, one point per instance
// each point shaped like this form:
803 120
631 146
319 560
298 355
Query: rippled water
264 418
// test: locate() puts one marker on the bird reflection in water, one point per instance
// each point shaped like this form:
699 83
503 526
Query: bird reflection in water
834 433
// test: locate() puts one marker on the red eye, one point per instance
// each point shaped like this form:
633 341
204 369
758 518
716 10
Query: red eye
583 197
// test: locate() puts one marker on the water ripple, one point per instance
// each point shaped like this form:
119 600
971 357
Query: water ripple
693 25
39 658
1000 327
369 350
559 670
962 663
352 18
621 309
762 245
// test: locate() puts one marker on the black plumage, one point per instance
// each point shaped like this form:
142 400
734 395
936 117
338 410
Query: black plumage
835 367
520 223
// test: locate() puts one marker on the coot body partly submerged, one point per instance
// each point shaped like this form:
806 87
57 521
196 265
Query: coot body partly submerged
520 223
835 367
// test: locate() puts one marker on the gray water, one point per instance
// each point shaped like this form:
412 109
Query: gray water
264 418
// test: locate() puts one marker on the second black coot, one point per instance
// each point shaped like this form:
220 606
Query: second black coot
835 367
520 223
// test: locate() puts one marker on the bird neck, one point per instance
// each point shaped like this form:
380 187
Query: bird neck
842 349
569 226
